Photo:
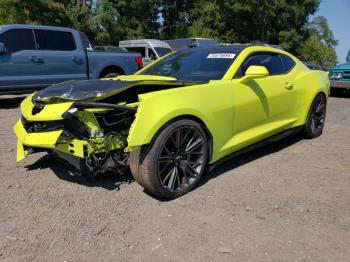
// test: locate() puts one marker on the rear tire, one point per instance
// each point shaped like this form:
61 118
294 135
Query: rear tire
316 117
173 163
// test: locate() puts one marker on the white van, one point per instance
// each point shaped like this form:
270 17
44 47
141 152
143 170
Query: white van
150 49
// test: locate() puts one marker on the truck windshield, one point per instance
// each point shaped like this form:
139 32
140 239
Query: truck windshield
194 65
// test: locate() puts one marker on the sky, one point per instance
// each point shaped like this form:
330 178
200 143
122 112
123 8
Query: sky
337 13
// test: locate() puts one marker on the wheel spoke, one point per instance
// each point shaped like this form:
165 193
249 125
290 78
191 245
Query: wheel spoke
165 167
185 136
172 179
193 146
184 172
320 108
190 168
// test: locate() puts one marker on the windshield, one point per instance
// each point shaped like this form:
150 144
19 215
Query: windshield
162 51
194 65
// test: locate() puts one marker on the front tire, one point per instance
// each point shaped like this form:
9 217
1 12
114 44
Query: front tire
173 163
316 117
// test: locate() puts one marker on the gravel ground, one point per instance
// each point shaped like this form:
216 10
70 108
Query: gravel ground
289 201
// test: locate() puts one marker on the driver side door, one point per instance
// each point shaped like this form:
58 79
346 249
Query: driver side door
264 106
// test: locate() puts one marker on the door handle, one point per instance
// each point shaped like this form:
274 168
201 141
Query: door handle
288 86
77 60
36 59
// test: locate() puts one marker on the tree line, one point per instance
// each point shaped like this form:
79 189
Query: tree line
106 22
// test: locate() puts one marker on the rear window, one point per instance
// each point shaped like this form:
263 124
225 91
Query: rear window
193 65
54 40
288 63
18 39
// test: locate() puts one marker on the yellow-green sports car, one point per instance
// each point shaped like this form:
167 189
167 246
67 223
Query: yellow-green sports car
171 120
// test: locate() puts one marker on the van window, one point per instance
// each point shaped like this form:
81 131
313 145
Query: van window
54 40
141 50
18 39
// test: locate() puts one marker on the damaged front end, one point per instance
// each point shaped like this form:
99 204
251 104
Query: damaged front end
86 123
91 136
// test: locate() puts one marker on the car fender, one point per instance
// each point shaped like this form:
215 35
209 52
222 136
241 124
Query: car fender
211 103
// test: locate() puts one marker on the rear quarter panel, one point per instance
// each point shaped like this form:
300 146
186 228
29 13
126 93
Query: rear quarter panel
309 83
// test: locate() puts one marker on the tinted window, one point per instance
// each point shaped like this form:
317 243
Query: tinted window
194 65
54 40
18 39
138 50
272 62
151 54
287 62
162 51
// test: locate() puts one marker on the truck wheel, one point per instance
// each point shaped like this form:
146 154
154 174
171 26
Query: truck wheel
173 163
110 75
316 117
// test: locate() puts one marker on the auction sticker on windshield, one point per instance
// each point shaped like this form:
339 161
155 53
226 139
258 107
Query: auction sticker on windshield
223 55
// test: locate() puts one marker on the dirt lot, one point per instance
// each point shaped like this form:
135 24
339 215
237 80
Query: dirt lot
289 201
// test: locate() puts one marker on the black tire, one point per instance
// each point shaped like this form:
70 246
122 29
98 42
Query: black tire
316 117
173 163
110 75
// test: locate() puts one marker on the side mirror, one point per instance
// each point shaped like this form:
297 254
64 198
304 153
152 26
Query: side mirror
2 48
254 72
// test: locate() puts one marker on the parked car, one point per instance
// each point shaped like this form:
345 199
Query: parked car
150 49
172 119
33 57
110 48
179 44
340 77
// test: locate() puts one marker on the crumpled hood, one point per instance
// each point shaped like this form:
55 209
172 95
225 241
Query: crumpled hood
80 90
91 89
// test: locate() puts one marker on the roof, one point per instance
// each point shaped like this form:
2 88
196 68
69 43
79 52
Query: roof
151 42
229 49
27 26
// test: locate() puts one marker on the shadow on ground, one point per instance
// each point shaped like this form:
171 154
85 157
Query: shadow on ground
8 102
68 173
340 93
111 181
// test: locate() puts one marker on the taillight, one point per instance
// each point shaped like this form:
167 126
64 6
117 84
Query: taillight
139 62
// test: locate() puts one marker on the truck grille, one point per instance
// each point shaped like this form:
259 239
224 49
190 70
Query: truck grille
346 74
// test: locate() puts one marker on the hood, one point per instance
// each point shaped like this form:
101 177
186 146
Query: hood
90 90
341 66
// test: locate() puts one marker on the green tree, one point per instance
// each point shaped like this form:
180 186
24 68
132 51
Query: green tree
48 12
319 48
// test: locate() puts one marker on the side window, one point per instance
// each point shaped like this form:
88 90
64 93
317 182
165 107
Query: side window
18 39
54 40
288 63
271 61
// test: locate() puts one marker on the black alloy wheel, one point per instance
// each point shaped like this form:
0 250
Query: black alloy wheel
181 159
316 117
172 164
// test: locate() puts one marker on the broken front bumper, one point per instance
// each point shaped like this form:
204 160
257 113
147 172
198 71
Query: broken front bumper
46 140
